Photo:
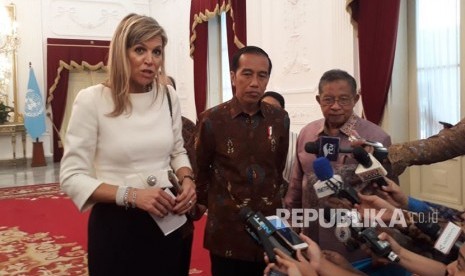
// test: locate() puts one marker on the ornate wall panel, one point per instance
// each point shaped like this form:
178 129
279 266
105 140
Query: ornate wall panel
304 38
87 19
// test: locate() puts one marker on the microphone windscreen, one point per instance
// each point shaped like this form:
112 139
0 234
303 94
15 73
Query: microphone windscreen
322 168
312 147
362 157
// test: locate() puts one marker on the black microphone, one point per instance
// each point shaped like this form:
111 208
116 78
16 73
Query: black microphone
328 183
370 169
380 153
176 189
314 148
263 232
351 227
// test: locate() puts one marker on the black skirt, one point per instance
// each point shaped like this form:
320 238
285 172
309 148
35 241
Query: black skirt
129 242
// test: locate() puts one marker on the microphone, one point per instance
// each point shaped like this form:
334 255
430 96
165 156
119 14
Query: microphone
369 169
351 226
329 147
380 153
314 148
263 232
329 184
176 189
446 238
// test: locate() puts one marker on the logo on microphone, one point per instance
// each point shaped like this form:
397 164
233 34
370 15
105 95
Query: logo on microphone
342 233
329 147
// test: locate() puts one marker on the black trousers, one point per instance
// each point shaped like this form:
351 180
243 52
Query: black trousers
129 242
222 266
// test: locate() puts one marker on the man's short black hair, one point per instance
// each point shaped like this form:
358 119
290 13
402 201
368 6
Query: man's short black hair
276 96
334 75
248 50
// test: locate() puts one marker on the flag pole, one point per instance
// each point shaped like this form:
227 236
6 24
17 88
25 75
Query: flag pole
38 157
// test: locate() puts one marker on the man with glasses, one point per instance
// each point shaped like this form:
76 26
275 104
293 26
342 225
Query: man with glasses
337 96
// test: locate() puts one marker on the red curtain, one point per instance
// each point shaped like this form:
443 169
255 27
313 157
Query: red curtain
236 27
377 32
67 50
201 12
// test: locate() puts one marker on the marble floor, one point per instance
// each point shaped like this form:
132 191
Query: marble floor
24 174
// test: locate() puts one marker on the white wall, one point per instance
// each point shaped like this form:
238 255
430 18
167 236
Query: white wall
41 19
174 16
304 38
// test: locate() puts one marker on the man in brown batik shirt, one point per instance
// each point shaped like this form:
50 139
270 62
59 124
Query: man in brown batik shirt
241 148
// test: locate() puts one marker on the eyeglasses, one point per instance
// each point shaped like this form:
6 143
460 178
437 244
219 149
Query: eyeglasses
329 101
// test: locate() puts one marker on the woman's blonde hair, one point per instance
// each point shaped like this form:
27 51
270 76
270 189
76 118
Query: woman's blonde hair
133 29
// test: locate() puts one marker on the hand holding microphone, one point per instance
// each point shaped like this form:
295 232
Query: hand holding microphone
317 263
368 202
394 195
350 227
302 265
264 232
446 236
414 263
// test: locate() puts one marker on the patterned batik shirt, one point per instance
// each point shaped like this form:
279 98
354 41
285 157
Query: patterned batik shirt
447 144
240 163
301 193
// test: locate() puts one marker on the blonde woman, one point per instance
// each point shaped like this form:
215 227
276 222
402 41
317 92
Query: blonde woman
123 138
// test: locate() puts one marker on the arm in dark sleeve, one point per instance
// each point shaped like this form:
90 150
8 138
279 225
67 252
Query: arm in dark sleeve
283 147
204 152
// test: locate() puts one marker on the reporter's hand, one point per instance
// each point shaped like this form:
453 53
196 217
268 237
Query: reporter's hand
395 247
313 252
338 265
393 194
375 202
337 259
288 265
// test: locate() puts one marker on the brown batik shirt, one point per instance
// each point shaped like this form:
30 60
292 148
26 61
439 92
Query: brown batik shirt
240 162
447 144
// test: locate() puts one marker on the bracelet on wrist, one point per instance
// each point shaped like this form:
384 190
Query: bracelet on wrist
126 198
133 198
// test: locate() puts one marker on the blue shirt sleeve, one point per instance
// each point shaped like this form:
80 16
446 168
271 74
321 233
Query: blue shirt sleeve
417 206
